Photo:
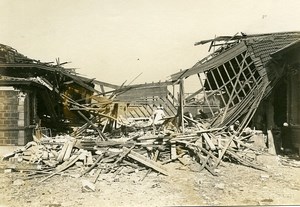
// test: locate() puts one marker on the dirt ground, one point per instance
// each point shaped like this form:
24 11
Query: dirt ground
234 185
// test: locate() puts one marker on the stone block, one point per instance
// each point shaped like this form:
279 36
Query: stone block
21 116
21 123
20 108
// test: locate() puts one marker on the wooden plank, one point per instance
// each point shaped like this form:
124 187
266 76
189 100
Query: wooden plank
62 152
217 84
63 166
102 89
144 160
193 95
143 92
67 154
93 165
101 135
209 142
175 158
205 95
155 157
189 145
212 63
222 78
241 65
223 151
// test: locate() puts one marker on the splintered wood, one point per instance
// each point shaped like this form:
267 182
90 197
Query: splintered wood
208 148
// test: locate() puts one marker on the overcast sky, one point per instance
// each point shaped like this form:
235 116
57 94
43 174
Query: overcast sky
116 40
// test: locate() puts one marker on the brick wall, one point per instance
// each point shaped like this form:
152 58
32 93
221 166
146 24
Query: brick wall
13 113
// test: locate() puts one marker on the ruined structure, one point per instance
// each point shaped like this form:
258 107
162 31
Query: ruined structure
252 79
39 94
248 91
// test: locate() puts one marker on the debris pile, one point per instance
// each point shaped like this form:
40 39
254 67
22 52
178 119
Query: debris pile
113 131
199 148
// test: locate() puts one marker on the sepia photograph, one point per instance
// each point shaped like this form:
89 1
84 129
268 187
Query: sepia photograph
111 103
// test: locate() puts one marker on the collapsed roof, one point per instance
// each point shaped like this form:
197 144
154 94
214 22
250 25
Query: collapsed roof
241 72
53 84
234 79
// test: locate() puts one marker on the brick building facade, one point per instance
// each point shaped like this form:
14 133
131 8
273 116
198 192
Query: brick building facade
14 117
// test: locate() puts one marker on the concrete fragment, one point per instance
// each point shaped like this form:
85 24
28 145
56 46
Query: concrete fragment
264 176
18 182
87 186
220 186
79 164
89 159
7 170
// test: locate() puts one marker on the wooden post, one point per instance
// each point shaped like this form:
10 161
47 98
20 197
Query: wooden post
181 104
205 96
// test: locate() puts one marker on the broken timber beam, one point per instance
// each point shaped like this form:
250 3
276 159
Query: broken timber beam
144 160
208 141
63 167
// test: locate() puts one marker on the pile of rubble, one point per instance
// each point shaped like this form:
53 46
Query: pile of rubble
148 150
112 130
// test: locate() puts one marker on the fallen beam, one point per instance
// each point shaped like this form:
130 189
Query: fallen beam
144 160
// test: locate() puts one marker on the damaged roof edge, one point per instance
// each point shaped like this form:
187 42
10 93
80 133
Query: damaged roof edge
214 62
242 36
286 49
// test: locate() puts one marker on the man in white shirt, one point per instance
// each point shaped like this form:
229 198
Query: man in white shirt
158 116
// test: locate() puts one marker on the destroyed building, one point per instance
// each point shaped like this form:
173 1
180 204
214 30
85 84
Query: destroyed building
255 79
35 93
247 92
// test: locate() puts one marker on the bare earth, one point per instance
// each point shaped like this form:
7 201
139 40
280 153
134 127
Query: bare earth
235 185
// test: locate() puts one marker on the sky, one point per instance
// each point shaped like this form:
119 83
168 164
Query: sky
116 40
